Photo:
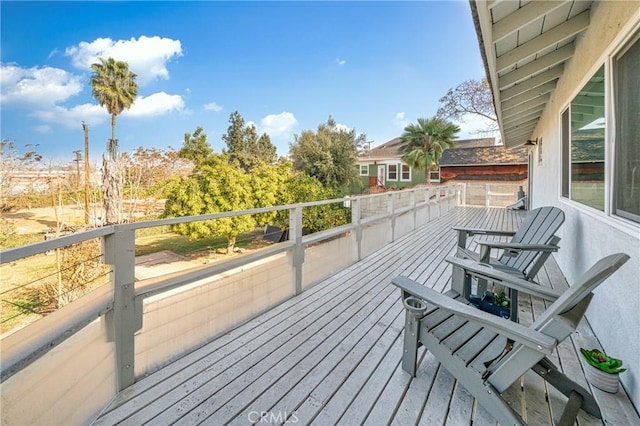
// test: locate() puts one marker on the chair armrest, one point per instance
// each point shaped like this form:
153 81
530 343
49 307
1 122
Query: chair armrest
517 332
480 231
489 273
513 249
463 233
520 246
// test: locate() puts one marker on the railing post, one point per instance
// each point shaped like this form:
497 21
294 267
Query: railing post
464 194
391 210
486 195
439 204
412 202
356 220
428 199
297 256
124 321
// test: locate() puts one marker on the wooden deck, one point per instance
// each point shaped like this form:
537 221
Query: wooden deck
332 355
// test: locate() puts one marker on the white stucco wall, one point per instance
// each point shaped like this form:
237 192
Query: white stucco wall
587 235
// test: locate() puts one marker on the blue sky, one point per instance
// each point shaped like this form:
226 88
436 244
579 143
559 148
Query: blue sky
285 66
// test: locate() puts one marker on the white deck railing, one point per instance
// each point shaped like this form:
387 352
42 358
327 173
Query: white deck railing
67 366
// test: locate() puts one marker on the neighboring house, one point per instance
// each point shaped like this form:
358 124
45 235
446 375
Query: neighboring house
470 159
486 163
381 166
565 76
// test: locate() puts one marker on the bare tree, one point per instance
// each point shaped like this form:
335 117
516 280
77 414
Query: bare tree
471 97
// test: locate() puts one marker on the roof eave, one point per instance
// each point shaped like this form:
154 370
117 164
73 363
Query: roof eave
481 23
534 41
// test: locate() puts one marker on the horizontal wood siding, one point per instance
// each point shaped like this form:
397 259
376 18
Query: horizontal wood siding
509 172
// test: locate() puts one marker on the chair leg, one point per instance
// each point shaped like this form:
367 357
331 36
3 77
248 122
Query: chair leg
570 412
549 372
460 282
410 349
493 402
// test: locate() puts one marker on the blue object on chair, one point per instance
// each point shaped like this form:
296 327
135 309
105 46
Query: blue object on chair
487 303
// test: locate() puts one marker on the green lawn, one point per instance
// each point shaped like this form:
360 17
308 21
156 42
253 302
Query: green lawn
185 246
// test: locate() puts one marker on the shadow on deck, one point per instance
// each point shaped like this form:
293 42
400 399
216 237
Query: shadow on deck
331 355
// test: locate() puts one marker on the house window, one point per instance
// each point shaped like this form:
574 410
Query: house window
585 137
406 173
591 138
364 170
392 172
626 182
434 175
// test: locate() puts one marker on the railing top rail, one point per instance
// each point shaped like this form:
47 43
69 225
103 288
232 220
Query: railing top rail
10 255
220 215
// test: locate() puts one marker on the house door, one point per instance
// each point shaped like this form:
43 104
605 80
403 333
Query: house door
381 170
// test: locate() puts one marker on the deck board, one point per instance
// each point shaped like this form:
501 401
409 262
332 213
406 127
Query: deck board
332 354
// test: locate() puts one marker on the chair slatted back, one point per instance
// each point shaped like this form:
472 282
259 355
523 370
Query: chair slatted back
591 279
539 227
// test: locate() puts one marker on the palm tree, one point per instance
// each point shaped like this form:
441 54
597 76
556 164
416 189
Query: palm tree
423 143
115 88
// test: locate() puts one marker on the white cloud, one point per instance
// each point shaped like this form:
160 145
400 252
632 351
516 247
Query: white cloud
343 127
157 104
340 62
146 56
401 120
154 105
212 106
278 125
73 117
39 86
44 129
474 126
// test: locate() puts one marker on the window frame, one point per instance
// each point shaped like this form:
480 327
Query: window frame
366 169
623 48
402 172
434 171
608 59
393 179
567 133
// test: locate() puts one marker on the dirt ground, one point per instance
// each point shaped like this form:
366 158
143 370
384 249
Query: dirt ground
43 219
27 221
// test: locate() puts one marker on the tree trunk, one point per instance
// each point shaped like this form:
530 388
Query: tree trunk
113 128
112 179
231 243
112 190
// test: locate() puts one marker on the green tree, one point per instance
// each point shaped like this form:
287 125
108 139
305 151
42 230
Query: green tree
196 148
217 186
115 88
280 184
423 143
269 188
301 188
245 147
265 150
329 155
